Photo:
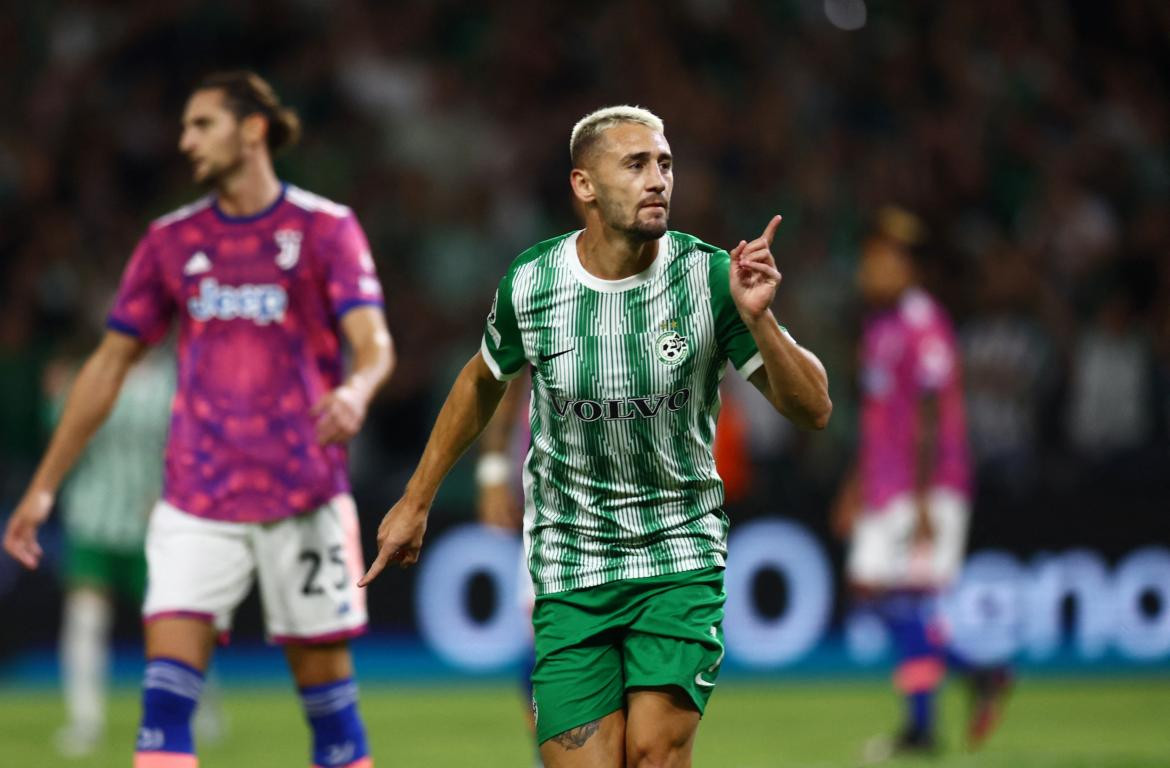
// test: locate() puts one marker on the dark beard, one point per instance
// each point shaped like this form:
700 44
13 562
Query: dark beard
644 233
215 177
637 231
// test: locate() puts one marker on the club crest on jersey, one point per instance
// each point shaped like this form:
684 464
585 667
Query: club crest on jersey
262 304
671 347
289 242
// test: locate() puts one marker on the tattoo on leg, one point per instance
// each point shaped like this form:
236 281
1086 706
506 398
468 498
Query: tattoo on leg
575 738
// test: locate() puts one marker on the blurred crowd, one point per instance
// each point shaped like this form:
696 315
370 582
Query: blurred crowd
1032 138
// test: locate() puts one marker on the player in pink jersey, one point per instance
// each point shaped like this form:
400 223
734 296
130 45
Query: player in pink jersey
906 506
264 280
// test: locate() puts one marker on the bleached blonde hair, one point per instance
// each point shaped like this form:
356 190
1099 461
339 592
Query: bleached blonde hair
589 128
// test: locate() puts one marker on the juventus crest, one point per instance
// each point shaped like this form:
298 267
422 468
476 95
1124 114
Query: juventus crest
289 242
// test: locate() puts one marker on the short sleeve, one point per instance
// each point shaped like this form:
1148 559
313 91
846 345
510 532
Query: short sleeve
934 360
502 347
350 275
143 307
732 335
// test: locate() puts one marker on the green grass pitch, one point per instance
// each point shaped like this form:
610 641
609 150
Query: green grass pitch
1049 724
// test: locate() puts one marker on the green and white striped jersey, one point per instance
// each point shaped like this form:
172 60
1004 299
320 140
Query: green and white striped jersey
109 494
620 481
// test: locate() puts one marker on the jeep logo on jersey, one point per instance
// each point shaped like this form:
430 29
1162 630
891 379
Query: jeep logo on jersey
671 347
289 241
622 409
262 304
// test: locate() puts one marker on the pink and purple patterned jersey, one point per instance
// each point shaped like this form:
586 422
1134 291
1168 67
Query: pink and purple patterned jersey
907 352
259 301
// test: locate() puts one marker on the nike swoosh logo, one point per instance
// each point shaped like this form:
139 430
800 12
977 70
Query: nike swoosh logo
700 681
546 358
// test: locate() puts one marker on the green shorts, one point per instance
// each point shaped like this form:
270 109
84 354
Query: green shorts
108 570
593 644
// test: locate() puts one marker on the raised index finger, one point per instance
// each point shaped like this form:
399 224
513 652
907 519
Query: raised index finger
376 567
770 230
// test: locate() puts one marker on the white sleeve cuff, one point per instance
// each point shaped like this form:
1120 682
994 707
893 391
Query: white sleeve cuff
494 366
752 365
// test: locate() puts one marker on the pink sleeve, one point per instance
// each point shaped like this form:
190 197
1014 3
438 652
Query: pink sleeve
351 278
934 359
142 308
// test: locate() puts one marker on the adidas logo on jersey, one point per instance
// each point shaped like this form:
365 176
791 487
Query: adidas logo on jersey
197 264
622 409
262 304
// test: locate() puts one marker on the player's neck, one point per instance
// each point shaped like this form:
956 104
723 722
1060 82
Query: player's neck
248 192
893 300
611 255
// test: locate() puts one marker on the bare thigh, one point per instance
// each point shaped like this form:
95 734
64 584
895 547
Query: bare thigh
660 728
599 744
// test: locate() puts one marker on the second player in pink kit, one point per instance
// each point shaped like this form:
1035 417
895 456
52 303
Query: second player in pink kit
264 281
906 506
913 446
909 351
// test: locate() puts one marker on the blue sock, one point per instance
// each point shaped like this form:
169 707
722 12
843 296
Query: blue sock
921 714
920 666
170 692
958 662
903 614
339 738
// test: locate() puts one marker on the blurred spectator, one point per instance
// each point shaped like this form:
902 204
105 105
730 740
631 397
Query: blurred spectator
1010 366
1111 399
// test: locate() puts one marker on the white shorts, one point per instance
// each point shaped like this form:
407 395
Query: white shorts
883 554
307 566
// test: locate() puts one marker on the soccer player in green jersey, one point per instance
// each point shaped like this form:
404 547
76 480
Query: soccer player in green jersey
628 329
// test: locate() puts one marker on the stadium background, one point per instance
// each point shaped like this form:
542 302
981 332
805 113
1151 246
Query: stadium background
1030 137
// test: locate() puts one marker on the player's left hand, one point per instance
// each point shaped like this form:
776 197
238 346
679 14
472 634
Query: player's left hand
754 277
339 415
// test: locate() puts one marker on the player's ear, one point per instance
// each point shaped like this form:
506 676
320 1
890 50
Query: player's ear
254 128
582 184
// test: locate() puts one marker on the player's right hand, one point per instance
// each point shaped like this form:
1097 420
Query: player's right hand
923 525
400 537
20 536
846 507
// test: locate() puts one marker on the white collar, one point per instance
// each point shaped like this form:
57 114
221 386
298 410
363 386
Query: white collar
614 286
